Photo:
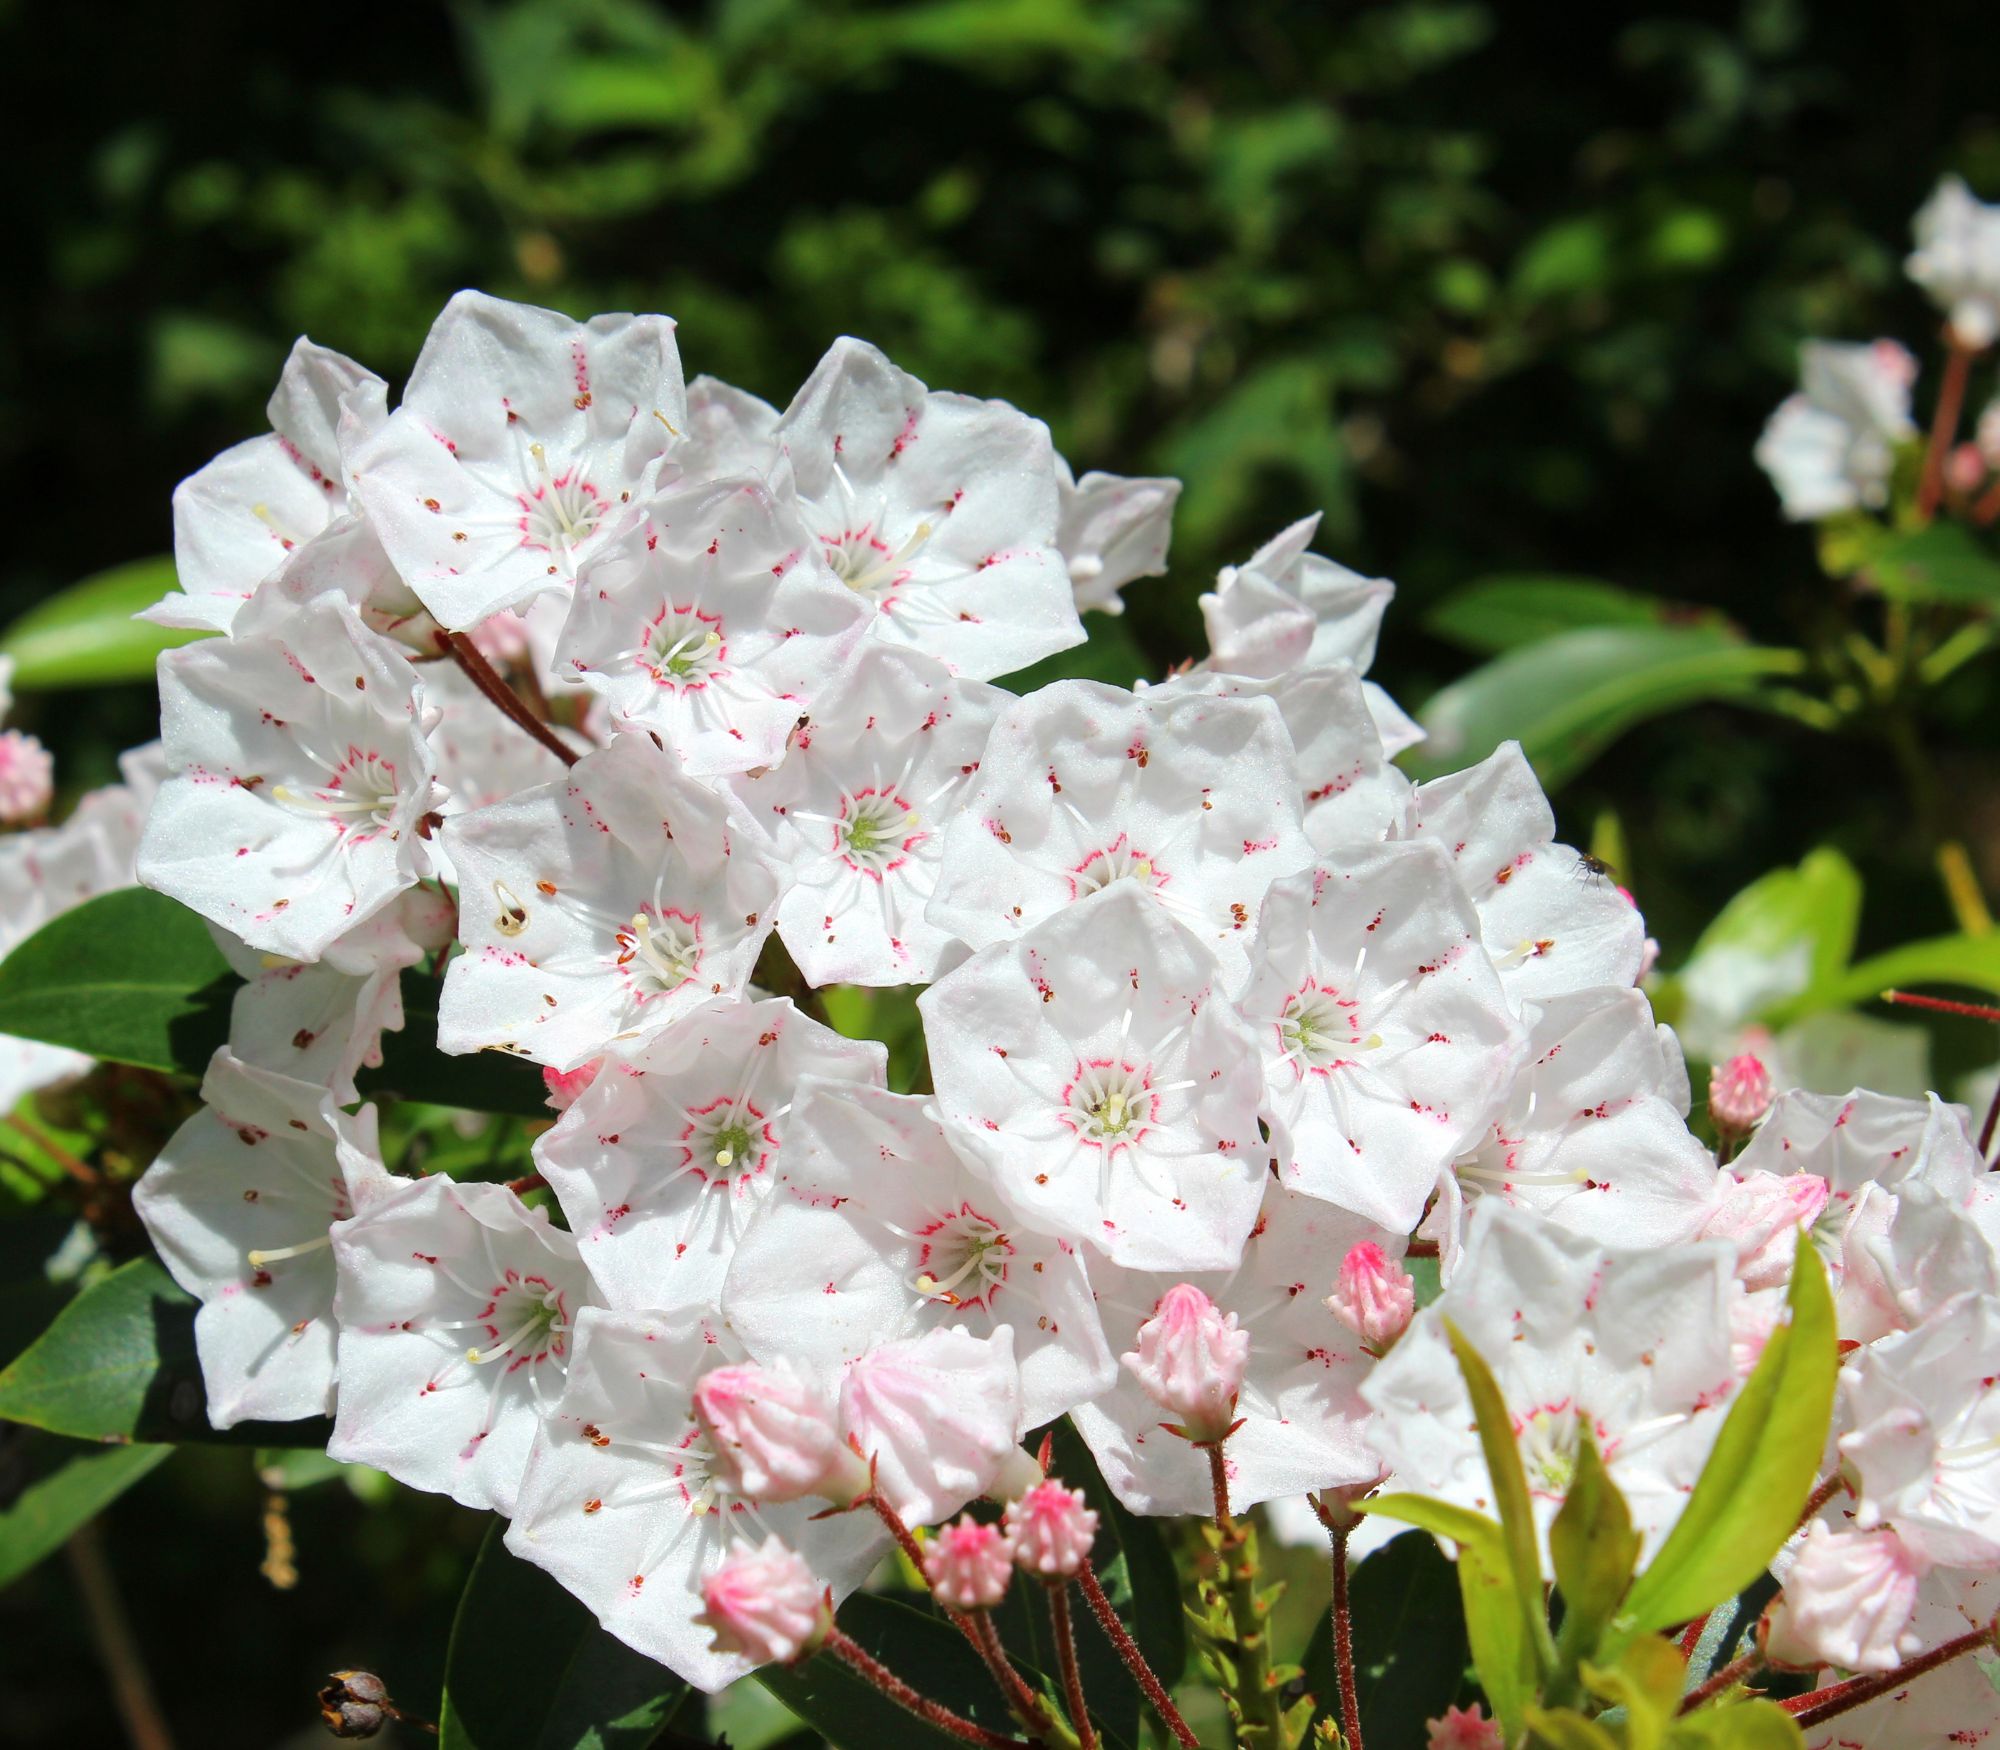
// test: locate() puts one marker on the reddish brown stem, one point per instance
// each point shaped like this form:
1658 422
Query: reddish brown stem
1819 1498
1691 1635
987 1639
1943 1005
76 1169
932 1712
1343 1642
1827 1704
1987 506
1719 1680
1135 1661
1218 1478
480 672
1072 1676
527 1182
1944 426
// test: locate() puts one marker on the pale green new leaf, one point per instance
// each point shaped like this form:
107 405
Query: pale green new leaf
1595 1551
1743 1725
86 636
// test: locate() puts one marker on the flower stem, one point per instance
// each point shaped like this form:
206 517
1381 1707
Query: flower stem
1256 1705
1135 1661
1826 1491
1343 1642
1722 1678
1944 425
932 1712
1072 1676
111 1629
480 672
75 1168
1826 1704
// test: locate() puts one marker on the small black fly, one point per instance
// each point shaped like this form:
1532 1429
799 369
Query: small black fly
1590 868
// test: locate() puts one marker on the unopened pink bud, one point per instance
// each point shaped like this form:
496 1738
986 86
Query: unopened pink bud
1190 1360
1373 1297
564 1085
1848 1601
772 1436
27 778
1761 1213
1052 1530
1464 1728
766 1605
969 1565
1964 468
1739 1093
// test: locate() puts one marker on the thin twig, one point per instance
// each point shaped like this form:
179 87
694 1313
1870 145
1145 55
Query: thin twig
1825 1704
480 672
1343 1642
933 1712
117 1647
1826 1491
987 1639
1944 425
76 1169
1722 1678
1218 1478
1072 1675
1943 1005
1135 1661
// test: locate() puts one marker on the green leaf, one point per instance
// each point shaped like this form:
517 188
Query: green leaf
118 1364
1945 562
1971 962
77 982
1742 1725
1567 698
1595 1551
86 636
529 1669
78 1483
1646 1682
1754 1486
1563 1728
1497 614
1409 1643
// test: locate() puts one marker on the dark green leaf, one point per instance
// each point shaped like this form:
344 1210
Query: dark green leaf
1498 614
529 1669
1567 698
413 1068
1409 1643
86 636
1594 1549
75 1483
1750 1493
1110 654
1945 562
119 1364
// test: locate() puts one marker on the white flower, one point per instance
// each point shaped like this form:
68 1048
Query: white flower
456 1304
239 518
765 1605
239 1204
1925 1439
522 441
1286 608
661 1161
301 780
1112 531
619 1502
1302 1418
937 510
1552 924
878 1231
1957 261
859 809
597 910
1832 446
728 431
1593 1135
1633 1344
1188 800
1102 1084
1386 1039
714 621
1848 1600
939 1418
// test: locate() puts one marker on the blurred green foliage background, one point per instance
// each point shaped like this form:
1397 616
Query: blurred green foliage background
1499 288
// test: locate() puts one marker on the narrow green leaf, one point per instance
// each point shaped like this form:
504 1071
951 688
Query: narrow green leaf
86 636
1751 1492
1567 698
1742 1725
75 1485
579 1689
1969 962
1943 562
1493 615
118 1364
1595 1551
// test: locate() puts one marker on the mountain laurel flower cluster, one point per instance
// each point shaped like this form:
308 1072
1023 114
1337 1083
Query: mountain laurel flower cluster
973 1120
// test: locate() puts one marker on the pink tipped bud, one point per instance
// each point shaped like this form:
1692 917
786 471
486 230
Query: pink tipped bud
1739 1094
969 1565
766 1605
564 1085
1373 1297
1964 468
1190 1360
1464 1728
27 778
1052 1530
1848 1601
1762 1213
773 1436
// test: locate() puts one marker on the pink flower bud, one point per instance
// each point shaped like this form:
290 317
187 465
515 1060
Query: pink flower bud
1465 1728
1964 468
1052 1530
773 1436
564 1085
1739 1093
766 1605
1762 1213
1190 1360
969 1565
1373 1297
27 778
1848 1601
